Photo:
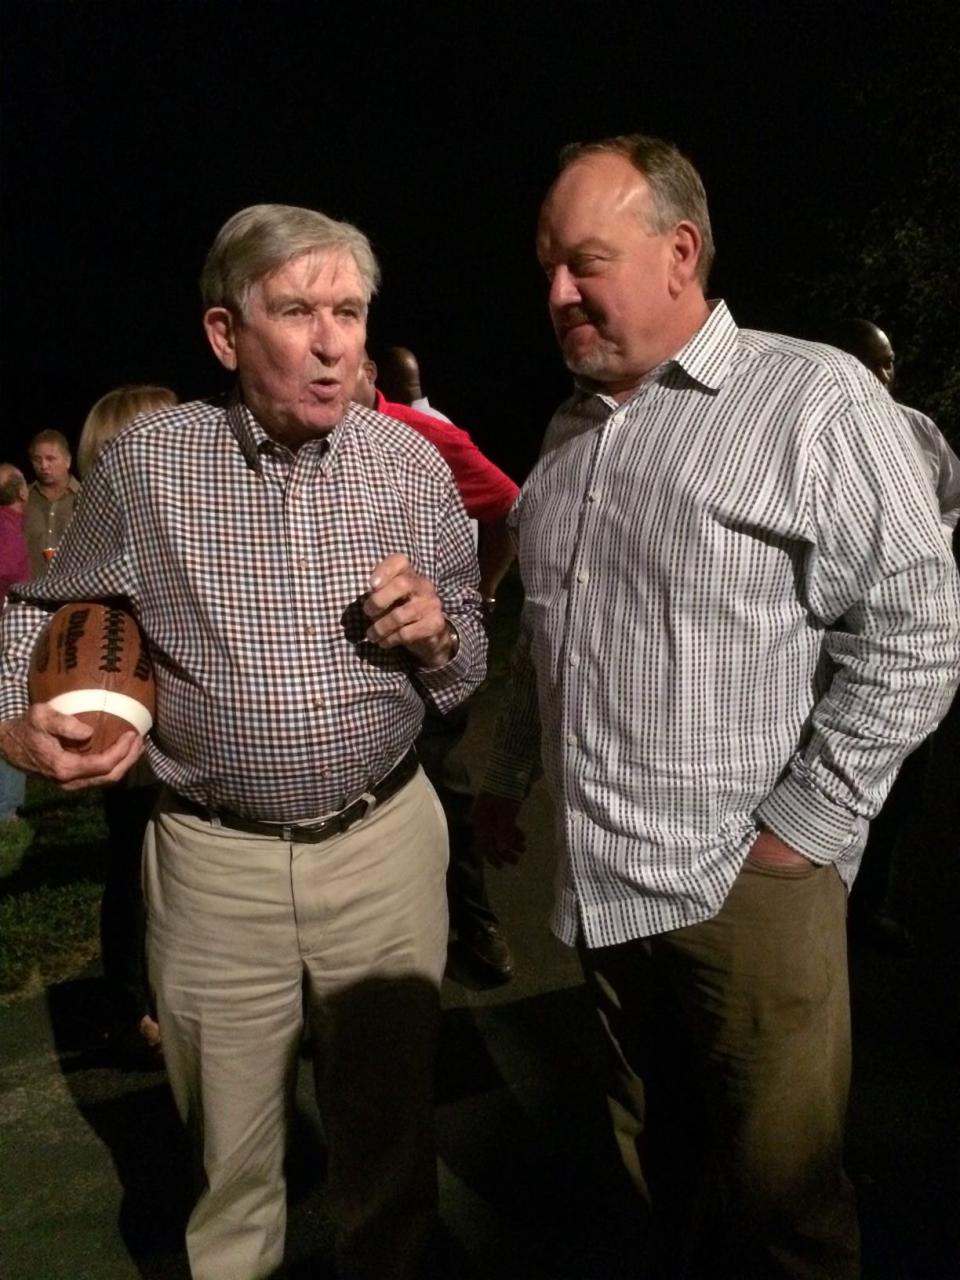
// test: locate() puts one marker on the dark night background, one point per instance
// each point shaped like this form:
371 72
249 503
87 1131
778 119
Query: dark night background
826 135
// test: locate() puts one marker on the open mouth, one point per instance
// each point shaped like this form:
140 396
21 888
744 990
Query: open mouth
325 388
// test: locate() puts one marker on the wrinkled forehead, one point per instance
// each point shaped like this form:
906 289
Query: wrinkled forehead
316 269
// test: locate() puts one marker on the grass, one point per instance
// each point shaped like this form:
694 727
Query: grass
51 882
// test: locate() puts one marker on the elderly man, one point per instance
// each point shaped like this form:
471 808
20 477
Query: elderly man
53 496
743 616
303 570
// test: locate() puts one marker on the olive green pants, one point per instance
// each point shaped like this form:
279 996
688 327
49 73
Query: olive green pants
730 1055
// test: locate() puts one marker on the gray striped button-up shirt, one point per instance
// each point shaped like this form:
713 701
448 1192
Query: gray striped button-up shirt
246 565
741 612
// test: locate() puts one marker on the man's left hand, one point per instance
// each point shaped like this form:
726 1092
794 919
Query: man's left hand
771 849
406 610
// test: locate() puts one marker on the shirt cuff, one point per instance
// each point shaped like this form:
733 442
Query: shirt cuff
453 671
13 704
808 820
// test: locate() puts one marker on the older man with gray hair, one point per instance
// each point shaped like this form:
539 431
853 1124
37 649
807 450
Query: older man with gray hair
304 573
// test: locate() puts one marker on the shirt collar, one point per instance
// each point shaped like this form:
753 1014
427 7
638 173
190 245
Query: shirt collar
708 355
706 358
254 442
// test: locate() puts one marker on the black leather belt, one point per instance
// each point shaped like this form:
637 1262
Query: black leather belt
323 828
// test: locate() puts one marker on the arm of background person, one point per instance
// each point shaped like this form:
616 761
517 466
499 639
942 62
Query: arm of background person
495 554
512 765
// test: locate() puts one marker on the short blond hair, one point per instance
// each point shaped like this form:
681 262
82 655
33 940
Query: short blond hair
112 413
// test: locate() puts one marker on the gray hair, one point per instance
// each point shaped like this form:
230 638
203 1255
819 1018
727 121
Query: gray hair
261 239
676 189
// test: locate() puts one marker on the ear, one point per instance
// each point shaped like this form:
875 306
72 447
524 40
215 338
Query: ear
370 369
220 328
685 254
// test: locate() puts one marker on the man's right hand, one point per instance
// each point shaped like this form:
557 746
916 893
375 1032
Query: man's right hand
496 836
34 743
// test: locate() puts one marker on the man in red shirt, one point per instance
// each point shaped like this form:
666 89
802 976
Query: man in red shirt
487 495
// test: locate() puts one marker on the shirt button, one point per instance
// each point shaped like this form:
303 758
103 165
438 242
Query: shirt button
574 659
592 496
318 704
583 576
571 739
310 629
303 564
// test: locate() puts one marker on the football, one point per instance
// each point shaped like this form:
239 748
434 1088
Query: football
91 661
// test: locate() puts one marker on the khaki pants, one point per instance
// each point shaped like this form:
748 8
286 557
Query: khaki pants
730 1047
240 928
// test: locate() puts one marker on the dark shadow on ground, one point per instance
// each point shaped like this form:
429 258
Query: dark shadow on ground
133 1115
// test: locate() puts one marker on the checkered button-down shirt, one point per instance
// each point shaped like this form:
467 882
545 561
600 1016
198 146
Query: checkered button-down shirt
740 609
246 566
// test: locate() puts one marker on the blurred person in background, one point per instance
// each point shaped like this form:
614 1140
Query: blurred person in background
487 495
51 499
873 915
14 567
133 1033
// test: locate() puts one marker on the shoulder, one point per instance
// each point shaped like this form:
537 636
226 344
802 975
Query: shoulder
194 415
167 431
805 364
398 441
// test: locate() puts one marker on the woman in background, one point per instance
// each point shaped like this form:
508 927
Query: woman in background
134 1033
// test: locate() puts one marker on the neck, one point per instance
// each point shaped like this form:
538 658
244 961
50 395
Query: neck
688 320
54 491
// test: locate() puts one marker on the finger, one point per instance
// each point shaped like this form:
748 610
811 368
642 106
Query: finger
44 718
74 769
406 624
397 591
388 568
404 588
76 766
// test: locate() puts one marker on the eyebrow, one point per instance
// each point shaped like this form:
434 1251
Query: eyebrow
587 245
285 300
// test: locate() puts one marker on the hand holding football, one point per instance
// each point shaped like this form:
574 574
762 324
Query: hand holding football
91 661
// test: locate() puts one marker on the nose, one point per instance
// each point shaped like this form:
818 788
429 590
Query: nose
563 289
326 340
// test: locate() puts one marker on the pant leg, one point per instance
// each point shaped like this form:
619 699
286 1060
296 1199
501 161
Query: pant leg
372 913
224 960
13 785
761 1000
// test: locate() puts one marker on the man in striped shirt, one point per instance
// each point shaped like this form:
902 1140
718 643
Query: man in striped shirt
304 572
742 616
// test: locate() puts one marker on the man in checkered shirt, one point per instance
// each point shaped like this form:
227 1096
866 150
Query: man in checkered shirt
305 574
